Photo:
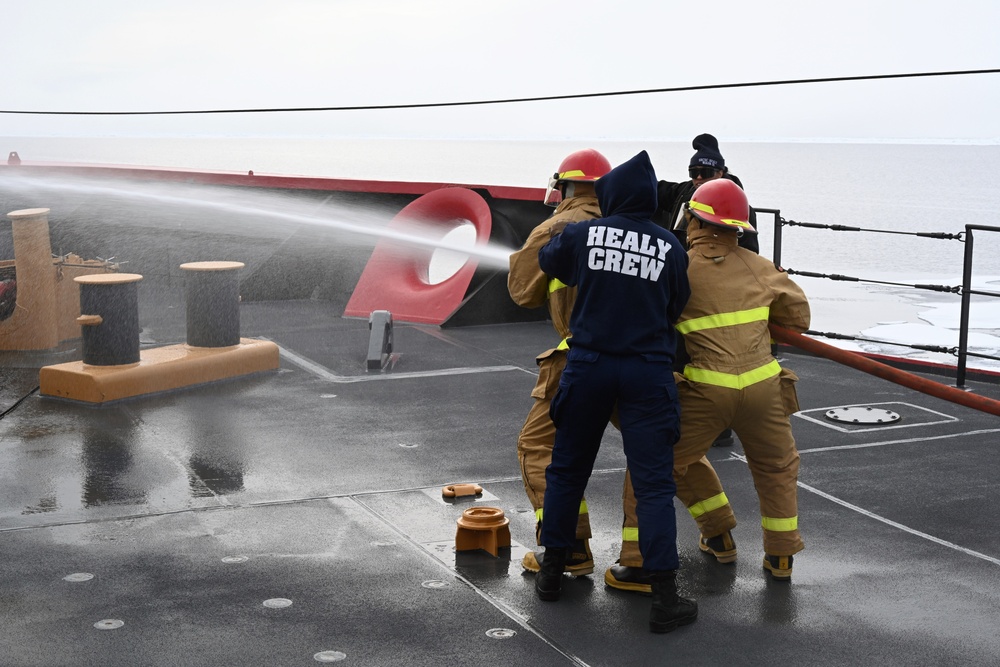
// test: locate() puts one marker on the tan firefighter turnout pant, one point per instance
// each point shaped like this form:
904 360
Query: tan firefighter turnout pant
759 416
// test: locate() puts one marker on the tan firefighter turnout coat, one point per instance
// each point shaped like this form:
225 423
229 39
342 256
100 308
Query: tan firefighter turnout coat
530 287
733 381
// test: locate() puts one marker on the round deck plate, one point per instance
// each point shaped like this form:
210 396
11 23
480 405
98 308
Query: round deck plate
863 415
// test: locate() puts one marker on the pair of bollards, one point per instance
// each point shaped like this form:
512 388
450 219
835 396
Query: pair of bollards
110 306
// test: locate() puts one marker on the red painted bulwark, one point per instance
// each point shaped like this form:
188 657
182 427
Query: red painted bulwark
395 279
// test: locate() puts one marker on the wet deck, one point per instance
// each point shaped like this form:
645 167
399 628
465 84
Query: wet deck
320 484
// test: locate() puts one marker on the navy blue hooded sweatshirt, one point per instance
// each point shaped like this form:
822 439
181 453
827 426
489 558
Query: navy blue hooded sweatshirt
630 273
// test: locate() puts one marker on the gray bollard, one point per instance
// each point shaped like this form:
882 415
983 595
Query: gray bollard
212 290
380 339
109 303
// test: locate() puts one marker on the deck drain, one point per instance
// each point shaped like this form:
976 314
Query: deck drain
862 415
277 603
435 583
500 633
329 656
109 624
235 559
78 576
407 445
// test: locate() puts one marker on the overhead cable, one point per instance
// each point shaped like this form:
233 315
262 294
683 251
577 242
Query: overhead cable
514 100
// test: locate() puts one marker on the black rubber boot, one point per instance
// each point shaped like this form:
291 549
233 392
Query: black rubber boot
669 610
548 581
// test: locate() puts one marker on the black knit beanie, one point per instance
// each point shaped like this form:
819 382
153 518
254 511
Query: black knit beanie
707 152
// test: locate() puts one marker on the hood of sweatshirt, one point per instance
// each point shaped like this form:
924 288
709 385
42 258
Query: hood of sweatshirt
629 189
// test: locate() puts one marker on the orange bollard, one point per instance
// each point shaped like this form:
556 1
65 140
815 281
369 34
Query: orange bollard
483 528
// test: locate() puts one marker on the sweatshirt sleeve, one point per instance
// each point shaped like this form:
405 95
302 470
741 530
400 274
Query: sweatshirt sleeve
556 258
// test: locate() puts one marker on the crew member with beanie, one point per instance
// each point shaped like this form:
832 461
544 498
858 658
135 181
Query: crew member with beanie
707 164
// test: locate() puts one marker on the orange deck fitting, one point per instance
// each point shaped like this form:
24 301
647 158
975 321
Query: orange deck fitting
483 528
160 369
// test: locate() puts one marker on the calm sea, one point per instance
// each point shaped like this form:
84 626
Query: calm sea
889 187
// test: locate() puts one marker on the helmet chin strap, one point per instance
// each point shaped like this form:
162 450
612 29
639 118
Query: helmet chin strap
569 190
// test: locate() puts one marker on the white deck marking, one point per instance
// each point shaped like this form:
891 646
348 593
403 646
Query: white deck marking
890 522
898 442
326 374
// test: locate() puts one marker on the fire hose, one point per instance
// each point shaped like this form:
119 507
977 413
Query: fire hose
884 371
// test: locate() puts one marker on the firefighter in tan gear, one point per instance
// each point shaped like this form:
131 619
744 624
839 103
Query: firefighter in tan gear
732 380
571 190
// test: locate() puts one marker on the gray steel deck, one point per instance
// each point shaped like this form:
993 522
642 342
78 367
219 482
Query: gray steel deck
320 484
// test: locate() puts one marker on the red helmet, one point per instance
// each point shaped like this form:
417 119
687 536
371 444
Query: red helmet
722 203
587 165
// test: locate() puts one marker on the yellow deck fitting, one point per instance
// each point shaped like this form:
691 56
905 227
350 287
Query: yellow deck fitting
159 369
461 490
483 528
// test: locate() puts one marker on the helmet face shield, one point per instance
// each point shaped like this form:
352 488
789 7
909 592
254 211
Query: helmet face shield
553 194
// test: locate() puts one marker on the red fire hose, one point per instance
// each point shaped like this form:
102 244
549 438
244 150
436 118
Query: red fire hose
915 382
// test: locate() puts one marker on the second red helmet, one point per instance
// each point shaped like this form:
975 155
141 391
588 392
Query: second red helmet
722 203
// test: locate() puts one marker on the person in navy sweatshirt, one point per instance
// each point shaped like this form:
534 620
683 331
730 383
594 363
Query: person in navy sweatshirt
631 280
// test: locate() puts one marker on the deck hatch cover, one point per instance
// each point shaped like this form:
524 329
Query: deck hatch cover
863 415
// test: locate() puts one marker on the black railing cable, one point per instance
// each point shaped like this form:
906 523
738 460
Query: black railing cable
844 228
956 289
926 348
513 100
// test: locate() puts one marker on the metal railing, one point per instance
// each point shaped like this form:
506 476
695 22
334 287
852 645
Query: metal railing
964 290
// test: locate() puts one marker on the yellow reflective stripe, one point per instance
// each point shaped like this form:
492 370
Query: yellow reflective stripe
630 534
705 208
583 510
733 381
779 525
698 206
563 344
707 505
555 284
572 173
720 320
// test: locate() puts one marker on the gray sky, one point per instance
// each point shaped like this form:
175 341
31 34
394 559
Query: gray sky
117 55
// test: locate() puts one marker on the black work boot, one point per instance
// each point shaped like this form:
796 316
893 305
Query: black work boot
548 581
626 578
669 610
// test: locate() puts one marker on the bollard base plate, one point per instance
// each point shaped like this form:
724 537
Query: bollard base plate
158 370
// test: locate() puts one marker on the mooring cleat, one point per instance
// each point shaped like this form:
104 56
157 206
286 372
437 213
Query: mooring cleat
723 547
780 567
